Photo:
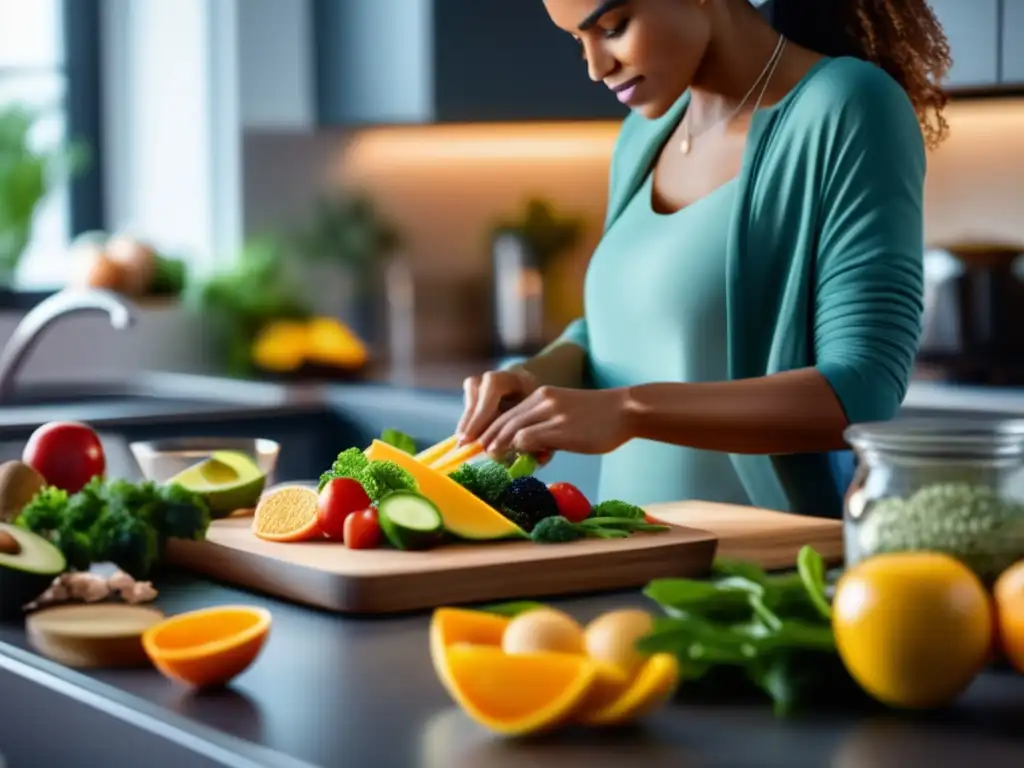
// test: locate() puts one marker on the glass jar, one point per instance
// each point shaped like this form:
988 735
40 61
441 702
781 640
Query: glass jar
940 485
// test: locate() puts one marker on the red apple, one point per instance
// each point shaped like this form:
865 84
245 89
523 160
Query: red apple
66 453
339 498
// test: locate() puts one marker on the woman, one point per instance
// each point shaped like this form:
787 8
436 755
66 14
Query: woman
759 283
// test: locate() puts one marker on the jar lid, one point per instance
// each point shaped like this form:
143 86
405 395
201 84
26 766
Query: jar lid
963 437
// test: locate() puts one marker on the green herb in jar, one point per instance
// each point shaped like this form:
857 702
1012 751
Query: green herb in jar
973 523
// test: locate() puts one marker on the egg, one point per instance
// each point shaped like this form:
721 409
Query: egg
612 637
542 630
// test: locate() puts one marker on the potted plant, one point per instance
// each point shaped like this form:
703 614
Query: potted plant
27 175
343 247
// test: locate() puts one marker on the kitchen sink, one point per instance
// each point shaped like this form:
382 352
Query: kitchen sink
71 395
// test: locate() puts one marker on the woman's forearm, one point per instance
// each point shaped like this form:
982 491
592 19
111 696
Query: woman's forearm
792 412
562 364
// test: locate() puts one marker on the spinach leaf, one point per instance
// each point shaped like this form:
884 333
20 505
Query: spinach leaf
811 568
511 609
398 440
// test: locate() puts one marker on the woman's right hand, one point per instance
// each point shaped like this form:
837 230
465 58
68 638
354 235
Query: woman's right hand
486 396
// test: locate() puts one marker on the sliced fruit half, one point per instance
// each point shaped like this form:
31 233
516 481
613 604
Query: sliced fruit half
451 626
287 514
617 700
210 646
28 565
227 481
521 694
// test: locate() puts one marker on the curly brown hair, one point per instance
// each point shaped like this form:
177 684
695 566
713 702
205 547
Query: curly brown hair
903 37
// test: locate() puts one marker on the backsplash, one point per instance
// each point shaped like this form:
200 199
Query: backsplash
445 185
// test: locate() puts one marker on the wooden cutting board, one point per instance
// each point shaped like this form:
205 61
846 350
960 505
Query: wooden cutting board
329 576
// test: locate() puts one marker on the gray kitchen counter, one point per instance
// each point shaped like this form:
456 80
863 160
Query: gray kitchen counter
361 692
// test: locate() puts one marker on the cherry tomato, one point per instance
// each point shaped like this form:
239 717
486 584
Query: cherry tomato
362 530
67 454
572 504
339 498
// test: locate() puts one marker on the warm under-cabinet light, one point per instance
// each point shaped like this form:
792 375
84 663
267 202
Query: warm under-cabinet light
466 142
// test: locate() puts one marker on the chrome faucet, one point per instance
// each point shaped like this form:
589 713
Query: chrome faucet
61 304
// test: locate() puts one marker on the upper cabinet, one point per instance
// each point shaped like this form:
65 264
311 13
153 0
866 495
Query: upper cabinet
1012 42
986 39
436 61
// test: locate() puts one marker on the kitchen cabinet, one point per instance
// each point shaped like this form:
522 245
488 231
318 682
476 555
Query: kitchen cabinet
1012 42
438 61
973 32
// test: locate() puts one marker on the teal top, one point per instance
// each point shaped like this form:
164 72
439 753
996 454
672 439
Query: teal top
675 264
823 267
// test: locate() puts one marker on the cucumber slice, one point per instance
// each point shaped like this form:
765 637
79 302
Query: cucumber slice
409 520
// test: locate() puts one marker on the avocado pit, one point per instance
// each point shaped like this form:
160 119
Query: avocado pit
9 545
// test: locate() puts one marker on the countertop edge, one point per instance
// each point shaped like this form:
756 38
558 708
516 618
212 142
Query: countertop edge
211 743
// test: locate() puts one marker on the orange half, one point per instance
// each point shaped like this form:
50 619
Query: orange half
287 515
637 697
518 694
208 647
451 626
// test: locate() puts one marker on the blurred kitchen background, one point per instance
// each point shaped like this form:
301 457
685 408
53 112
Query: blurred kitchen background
393 190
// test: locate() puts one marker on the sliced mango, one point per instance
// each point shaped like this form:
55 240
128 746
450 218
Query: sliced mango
637 697
520 694
452 626
465 516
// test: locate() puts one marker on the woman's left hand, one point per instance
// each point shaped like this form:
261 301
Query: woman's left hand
561 419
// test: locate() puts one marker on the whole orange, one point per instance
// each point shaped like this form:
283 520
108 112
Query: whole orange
913 628
1009 601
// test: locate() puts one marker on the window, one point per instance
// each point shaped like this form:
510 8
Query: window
49 61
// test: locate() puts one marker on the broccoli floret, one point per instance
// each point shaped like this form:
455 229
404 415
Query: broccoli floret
83 510
181 514
45 512
127 541
381 478
76 547
527 501
466 476
615 508
556 530
350 463
487 480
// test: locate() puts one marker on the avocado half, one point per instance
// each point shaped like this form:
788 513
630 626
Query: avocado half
28 565
227 481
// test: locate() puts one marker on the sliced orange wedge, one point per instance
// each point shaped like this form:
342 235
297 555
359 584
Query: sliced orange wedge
451 626
615 701
208 647
287 514
518 694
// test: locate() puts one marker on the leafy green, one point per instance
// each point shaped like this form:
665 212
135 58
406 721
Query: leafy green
774 628
118 521
558 529
615 508
811 568
398 440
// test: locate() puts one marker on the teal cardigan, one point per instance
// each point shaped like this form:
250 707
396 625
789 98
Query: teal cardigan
825 254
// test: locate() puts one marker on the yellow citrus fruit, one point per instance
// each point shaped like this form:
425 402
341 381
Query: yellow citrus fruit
1009 603
912 628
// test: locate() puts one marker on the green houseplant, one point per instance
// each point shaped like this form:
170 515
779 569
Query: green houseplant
239 302
27 174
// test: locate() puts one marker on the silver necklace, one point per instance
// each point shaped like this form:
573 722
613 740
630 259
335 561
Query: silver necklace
686 144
